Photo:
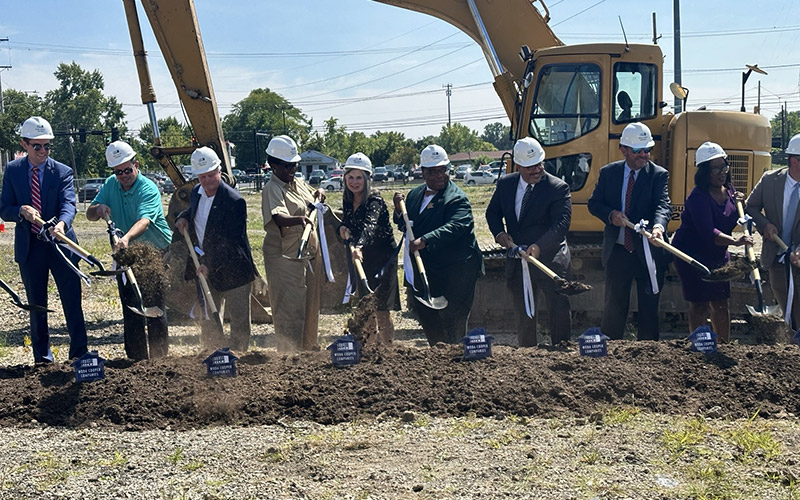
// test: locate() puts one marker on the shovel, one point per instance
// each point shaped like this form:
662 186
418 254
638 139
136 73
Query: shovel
77 249
432 302
751 257
18 302
301 247
204 284
674 251
362 276
564 287
149 312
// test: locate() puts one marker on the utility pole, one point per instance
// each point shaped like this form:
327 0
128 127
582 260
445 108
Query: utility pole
448 91
656 36
1 80
676 16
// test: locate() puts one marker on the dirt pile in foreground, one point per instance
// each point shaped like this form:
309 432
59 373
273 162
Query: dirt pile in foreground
662 377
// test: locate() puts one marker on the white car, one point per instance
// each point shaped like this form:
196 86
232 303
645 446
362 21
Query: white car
332 184
479 177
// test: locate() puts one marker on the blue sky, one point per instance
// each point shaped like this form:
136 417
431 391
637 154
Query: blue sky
327 57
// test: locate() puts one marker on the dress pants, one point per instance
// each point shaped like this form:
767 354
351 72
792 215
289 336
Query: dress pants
457 284
236 304
294 295
622 269
42 260
136 340
778 282
560 320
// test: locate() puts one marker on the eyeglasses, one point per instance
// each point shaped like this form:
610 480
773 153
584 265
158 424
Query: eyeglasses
38 147
124 171
435 171
721 170
636 151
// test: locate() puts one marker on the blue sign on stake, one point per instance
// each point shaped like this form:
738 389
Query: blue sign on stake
221 363
593 343
477 345
345 351
89 367
703 340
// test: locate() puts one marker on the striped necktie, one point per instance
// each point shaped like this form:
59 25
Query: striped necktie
36 198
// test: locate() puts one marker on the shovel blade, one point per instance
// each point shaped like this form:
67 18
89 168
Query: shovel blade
148 312
108 273
33 308
437 303
768 310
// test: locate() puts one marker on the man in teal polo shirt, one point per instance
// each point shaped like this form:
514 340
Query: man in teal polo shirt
133 202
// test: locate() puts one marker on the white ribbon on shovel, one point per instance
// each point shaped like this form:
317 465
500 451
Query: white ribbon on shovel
408 268
323 242
641 228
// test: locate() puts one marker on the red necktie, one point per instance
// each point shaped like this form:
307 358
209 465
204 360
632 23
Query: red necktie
628 196
36 198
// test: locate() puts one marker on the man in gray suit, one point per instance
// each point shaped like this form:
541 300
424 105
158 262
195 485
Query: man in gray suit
773 206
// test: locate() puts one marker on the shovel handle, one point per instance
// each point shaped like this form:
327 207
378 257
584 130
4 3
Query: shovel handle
301 247
778 241
539 264
65 240
751 254
128 271
426 289
203 282
362 276
674 251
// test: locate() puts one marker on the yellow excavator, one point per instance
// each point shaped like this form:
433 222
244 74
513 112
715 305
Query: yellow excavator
574 99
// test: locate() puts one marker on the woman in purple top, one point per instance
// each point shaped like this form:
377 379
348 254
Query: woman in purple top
708 218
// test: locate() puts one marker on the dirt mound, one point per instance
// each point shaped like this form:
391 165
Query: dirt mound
148 268
662 377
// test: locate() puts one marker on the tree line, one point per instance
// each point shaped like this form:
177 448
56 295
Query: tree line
78 103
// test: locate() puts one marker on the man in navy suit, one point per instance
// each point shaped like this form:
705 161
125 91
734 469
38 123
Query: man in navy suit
36 257
217 217
634 189
533 208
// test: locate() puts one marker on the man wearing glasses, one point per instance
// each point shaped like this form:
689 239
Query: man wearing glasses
133 202
533 208
444 233
633 189
38 186
773 205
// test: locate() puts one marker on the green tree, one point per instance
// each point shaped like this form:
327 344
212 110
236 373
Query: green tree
17 107
384 144
78 102
267 112
457 138
792 125
172 133
498 135
406 154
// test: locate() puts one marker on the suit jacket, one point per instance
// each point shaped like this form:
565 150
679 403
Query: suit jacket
650 201
225 245
546 222
58 200
765 206
446 225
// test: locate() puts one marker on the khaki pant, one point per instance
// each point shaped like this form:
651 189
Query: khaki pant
294 294
236 302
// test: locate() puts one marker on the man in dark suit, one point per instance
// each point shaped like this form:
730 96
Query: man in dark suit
38 173
533 208
444 234
217 217
633 189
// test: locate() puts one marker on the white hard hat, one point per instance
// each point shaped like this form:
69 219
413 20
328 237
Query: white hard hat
528 152
204 160
708 151
36 127
119 152
794 145
433 156
283 148
637 135
359 161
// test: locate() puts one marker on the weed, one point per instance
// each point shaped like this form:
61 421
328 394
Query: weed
461 426
590 458
506 437
691 433
421 421
119 460
176 457
620 415
748 442
193 465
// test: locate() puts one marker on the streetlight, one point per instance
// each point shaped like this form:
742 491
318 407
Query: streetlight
746 75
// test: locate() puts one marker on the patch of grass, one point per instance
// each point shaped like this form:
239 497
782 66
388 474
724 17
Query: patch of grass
620 415
690 434
462 426
590 458
750 442
175 457
193 465
506 437
119 460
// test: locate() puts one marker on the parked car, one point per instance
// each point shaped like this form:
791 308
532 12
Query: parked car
461 171
299 175
241 176
169 186
158 182
380 174
88 191
417 173
333 184
337 173
400 174
315 178
478 177
187 172
321 173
